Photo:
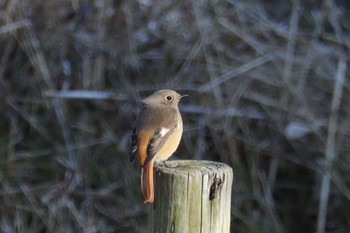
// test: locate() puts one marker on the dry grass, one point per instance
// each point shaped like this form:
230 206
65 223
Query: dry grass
269 95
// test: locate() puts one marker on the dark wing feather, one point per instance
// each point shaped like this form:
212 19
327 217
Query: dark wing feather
133 146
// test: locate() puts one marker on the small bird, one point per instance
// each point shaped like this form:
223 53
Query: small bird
156 135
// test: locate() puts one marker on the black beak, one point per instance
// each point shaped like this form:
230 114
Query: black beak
183 96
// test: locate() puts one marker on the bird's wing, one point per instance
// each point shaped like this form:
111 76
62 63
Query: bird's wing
158 141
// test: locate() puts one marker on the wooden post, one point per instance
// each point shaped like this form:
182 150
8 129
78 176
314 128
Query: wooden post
192 196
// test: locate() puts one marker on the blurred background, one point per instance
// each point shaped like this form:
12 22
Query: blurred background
269 95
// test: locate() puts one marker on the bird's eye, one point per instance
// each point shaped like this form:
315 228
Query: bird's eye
169 98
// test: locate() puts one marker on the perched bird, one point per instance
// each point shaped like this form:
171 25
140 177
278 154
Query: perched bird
156 135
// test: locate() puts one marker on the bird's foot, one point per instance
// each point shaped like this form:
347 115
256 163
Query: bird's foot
167 164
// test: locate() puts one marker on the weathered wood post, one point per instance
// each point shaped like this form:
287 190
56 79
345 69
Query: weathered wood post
192 197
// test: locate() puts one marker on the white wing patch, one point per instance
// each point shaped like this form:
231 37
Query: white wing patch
163 131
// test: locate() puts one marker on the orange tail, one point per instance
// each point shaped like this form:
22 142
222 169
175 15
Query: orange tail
147 189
